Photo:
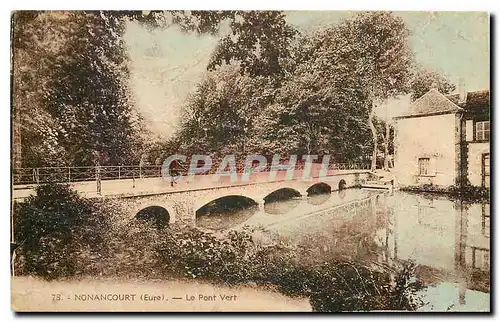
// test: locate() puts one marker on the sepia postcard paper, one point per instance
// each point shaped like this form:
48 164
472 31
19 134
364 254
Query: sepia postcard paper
221 161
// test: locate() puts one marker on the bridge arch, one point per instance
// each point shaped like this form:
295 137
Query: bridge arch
225 212
211 196
135 206
319 188
156 215
284 193
281 201
319 193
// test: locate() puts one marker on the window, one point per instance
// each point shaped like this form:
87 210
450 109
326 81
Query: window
483 131
423 166
486 164
485 220
485 169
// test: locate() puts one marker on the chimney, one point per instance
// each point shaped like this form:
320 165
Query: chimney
462 94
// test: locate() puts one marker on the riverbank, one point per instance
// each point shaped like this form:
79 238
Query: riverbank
467 193
97 295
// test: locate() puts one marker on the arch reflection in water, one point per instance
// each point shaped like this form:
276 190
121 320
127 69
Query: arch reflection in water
156 215
319 193
226 212
281 201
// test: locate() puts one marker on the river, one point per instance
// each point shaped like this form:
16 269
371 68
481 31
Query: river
448 239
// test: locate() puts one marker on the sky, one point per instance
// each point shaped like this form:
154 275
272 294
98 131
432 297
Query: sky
166 63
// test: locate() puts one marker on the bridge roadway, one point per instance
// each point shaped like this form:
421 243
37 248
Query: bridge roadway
191 193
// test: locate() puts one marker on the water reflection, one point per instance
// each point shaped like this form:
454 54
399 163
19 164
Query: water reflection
226 212
318 199
450 240
281 201
281 207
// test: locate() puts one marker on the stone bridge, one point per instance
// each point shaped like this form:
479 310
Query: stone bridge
182 205
191 193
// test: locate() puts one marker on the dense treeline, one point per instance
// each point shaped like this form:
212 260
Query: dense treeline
269 88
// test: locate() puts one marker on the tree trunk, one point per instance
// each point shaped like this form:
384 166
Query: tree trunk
386 145
15 109
16 140
374 137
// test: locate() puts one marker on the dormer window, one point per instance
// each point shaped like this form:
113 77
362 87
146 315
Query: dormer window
483 131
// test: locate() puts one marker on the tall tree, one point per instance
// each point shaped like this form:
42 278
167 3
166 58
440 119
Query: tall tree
376 46
37 39
70 88
89 94
259 48
219 116
317 111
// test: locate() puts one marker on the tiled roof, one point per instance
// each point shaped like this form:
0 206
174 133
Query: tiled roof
432 102
475 99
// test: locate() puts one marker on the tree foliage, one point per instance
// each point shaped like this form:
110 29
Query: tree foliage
59 233
219 117
424 79
259 42
37 38
70 88
324 104
375 51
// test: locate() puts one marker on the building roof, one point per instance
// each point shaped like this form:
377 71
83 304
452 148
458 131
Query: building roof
475 100
432 102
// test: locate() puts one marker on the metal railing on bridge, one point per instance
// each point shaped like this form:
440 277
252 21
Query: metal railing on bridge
78 174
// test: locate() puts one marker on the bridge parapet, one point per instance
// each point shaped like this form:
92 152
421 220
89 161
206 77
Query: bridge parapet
72 174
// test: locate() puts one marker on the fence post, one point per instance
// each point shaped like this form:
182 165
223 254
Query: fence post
98 178
119 172
37 175
69 174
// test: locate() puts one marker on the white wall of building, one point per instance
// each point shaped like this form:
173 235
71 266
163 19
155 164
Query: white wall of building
474 159
469 130
430 137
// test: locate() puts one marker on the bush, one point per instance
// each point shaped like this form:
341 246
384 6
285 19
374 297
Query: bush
331 286
60 234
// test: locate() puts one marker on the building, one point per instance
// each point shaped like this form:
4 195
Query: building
444 140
